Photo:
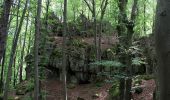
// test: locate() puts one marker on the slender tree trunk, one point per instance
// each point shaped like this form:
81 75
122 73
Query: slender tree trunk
13 49
162 37
4 25
93 11
17 17
95 29
121 88
30 39
2 73
14 74
47 11
16 28
23 50
64 51
103 9
144 15
36 46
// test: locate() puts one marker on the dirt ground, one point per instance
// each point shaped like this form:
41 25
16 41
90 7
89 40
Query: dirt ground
86 91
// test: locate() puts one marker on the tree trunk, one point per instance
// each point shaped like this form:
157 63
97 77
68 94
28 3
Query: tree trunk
29 40
64 72
23 50
2 73
4 26
36 46
95 29
14 73
162 37
130 31
121 88
93 11
103 9
125 29
128 84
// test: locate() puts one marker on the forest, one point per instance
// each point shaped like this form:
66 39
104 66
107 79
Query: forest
84 50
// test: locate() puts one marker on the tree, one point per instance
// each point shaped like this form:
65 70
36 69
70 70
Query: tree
23 50
12 54
92 8
126 30
162 38
4 19
36 46
4 26
103 10
64 59
2 73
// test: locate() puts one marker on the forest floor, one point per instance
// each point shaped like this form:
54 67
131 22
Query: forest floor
54 91
83 92
148 89
91 92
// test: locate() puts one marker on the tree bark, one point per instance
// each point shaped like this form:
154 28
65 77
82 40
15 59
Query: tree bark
162 37
64 72
2 73
36 46
4 26
23 51
103 9
14 73
92 8
126 30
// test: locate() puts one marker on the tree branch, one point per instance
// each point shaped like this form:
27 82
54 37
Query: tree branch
88 6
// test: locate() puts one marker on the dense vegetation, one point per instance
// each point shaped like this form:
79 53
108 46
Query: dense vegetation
80 42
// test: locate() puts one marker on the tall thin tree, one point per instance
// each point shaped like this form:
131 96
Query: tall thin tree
103 7
36 46
92 7
64 51
4 25
23 50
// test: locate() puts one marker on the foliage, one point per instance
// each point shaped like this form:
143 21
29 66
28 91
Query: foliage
25 86
108 64
144 77
77 43
75 9
114 91
138 61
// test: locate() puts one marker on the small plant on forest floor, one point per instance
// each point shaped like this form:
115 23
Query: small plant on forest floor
1 96
24 87
114 91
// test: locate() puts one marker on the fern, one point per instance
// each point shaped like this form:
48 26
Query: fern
137 61
108 63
